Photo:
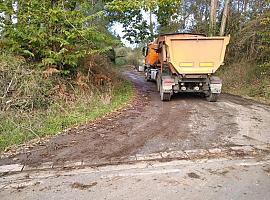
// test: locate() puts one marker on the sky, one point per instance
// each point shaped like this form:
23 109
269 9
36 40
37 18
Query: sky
118 28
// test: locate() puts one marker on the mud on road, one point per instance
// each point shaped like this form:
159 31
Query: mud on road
150 125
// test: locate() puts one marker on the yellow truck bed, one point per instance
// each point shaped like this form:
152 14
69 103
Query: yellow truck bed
195 54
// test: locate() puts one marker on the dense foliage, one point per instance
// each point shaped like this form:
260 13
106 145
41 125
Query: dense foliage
34 107
132 14
58 33
55 68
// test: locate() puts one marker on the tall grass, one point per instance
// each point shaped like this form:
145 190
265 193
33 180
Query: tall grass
246 79
33 107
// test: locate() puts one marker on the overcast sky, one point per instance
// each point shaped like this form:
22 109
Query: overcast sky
118 28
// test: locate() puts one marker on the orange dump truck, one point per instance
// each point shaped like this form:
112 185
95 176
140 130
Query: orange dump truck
185 63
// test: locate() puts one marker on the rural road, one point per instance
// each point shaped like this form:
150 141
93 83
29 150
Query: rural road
218 149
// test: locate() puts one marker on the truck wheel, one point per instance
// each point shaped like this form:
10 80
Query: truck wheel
146 77
165 96
212 97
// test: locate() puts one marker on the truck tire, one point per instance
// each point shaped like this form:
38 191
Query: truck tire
212 97
165 96
146 77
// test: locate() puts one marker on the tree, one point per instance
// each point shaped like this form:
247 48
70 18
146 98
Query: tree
224 17
168 13
129 14
213 17
57 33
136 28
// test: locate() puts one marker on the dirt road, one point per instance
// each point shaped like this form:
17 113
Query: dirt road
150 126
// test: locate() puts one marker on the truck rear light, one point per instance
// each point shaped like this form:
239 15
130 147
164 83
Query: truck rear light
206 64
183 88
196 88
168 81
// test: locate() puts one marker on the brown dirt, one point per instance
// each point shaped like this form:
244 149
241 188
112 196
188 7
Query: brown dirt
83 186
150 125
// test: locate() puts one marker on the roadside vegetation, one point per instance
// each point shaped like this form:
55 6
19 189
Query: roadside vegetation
58 60
57 68
247 67
127 56
37 103
247 80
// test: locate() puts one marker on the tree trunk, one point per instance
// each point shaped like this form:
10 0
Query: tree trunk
151 27
224 17
213 17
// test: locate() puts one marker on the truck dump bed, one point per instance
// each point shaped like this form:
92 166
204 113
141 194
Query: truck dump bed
195 54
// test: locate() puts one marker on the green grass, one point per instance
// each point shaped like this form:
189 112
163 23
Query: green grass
17 128
245 79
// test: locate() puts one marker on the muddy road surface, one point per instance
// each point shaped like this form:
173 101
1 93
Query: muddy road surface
149 125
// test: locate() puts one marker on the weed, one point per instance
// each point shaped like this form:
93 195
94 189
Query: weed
246 79
35 107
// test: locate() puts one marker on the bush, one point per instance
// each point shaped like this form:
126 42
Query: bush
58 34
21 87
246 79
128 56
35 105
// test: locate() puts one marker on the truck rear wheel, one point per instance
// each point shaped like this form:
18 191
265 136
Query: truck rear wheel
165 96
212 97
147 77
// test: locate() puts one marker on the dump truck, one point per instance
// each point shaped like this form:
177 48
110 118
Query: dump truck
185 63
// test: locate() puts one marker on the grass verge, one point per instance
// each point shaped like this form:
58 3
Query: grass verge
31 108
246 79
16 129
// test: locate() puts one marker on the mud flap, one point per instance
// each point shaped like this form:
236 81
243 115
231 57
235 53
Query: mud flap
167 83
165 96
158 82
166 88
215 85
